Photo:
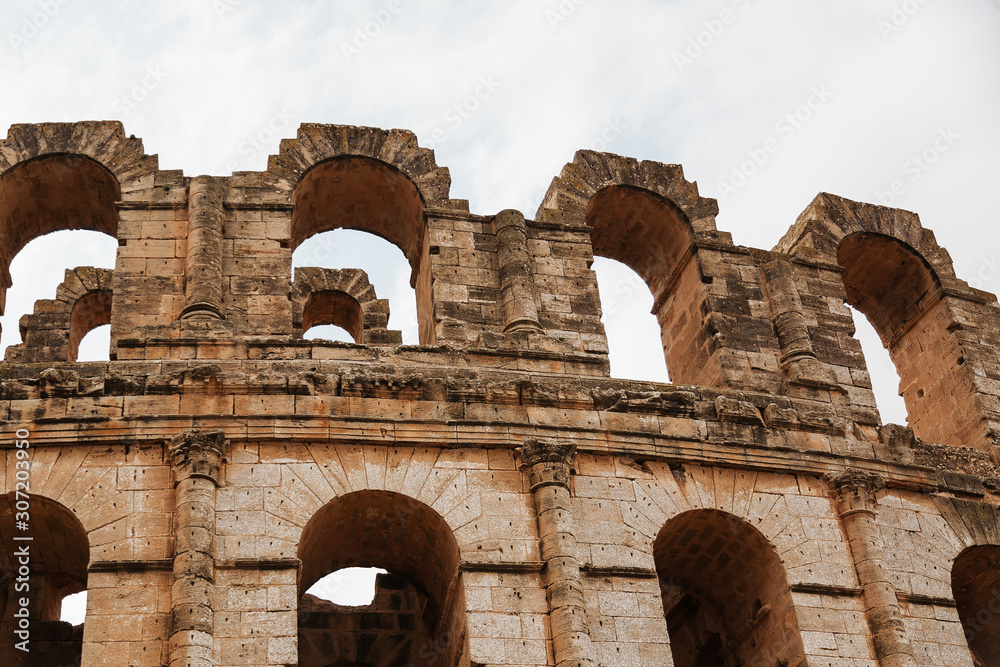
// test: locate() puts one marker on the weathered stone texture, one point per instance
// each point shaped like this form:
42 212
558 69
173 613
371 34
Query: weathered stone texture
530 509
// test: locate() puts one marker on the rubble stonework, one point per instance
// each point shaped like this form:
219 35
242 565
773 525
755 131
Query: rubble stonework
530 509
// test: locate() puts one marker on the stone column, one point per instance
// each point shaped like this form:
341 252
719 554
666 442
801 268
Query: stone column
856 499
195 456
798 359
548 466
203 290
517 283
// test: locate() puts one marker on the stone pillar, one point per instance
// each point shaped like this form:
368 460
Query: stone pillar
797 359
203 291
195 456
548 467
856 504
517 283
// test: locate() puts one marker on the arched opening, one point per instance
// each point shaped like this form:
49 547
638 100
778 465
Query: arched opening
38 270
91 311
49 194
387 269
725 593
900 294
975 582
333 308
881 371
57 559
56 192
651 236
635 348
363 194
418 610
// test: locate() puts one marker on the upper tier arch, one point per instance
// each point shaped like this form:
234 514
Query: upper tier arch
590 172
934 325
58 176
819 230
316 143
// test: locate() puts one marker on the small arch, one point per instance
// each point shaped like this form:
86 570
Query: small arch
421 555
59 556
336 308
54 330
90 311
975 583
719 611
344 298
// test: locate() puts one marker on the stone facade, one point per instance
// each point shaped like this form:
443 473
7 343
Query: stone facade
530 509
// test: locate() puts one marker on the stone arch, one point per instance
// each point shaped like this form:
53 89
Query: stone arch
56 176
59 553
894 272
54 331
378 528
975 572
975 581
372 180
647 216
343 297
719 611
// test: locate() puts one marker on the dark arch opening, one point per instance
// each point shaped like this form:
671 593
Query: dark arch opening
48 194
420 602
55 192
975 582
334 308
59 555
360 193
651 236
900 294
725 593
91 311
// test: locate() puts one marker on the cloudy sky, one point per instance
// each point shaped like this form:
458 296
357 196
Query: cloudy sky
850 97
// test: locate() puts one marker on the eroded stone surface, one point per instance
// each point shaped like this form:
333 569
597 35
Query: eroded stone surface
531 510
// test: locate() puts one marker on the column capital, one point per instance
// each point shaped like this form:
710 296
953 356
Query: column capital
547 462
197 453
856 490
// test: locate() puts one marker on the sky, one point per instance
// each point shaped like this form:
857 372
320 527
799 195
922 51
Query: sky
765 103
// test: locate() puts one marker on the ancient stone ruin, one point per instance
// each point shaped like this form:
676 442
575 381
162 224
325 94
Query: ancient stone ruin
529 509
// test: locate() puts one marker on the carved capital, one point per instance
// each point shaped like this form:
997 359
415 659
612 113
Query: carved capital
856 490
546 462
198 453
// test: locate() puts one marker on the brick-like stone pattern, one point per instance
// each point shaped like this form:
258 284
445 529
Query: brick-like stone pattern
530 509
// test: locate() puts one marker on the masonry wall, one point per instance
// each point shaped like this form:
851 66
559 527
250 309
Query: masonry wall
531 509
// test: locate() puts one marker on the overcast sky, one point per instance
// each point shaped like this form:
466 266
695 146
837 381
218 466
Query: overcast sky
848 92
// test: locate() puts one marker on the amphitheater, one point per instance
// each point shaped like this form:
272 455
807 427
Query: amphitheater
529 509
